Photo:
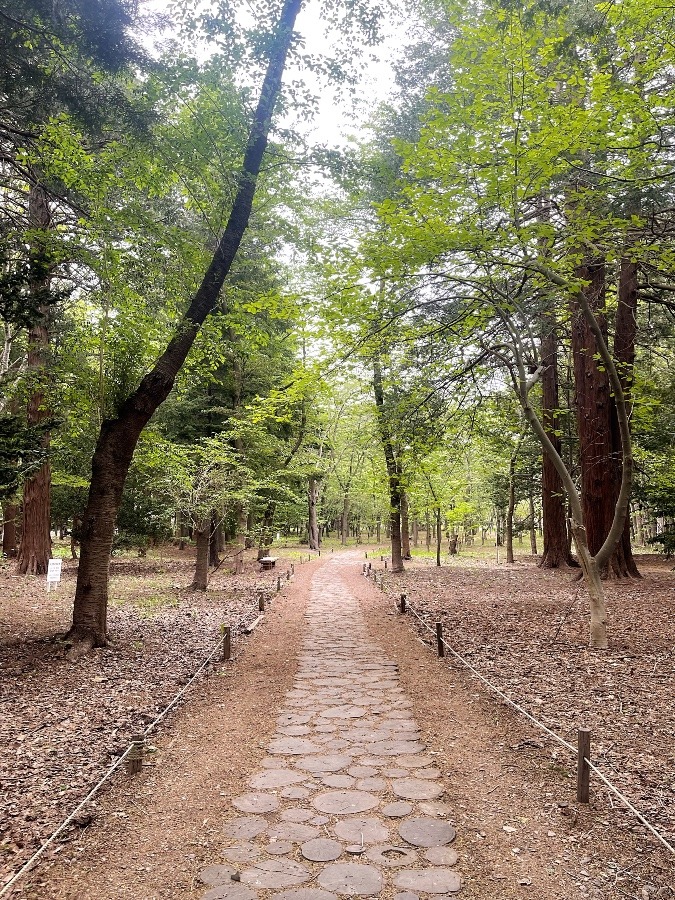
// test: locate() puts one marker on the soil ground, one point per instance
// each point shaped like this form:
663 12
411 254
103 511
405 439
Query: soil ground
520 830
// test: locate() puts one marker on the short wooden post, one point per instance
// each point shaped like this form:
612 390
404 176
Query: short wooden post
370 566
134 760
227 642
278 583
366 554
261 603
385 565
381 582
319 553
583 769
288 574
292 568
439 639
402 605
382 559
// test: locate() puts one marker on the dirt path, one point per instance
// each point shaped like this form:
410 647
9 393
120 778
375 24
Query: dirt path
518 833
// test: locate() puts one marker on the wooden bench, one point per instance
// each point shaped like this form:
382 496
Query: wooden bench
268 562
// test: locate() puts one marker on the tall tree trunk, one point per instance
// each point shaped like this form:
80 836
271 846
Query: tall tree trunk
533 525
595 413
415 532
203 541
556 553
393 470
35 547
214 559
427 529
344 526
622 563
9 511
118 437
266 529
378 530
511 509
313 489
405 527
439 536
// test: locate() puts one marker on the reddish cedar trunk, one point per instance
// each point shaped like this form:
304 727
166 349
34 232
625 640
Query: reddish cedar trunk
405 527
597 425
36 543
313 488
118 437
556 551
393 471
622 563
203 541
9 530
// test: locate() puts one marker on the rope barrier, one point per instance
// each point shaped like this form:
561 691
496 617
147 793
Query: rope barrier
543 727
38 853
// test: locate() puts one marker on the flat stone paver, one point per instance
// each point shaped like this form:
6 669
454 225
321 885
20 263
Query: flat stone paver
348 801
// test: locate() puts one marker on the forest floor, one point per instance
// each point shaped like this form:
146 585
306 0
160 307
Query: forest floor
62 724
524 629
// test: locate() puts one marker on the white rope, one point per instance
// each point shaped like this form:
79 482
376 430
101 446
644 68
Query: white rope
38 853
630 806
545 728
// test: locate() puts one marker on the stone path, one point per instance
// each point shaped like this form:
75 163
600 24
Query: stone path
347 802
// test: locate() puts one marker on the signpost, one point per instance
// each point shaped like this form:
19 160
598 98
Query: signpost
53 572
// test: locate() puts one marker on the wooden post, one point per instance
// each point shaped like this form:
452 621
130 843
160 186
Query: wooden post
292 568
381 582
366 554
134 761
227 642
385 564
583 770
439 639
278 583
261 603
402 606
288 574
370 566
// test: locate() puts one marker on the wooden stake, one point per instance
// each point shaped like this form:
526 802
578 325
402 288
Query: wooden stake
439 639
583 770
278 583
288 575
134 761
385 564
402 606
261 603
227 642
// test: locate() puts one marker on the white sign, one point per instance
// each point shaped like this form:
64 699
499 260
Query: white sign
54 571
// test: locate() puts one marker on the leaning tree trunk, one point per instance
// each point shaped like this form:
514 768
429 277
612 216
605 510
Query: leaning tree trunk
203 541
313 489
556 552
118 437
405 527
393 470
35 547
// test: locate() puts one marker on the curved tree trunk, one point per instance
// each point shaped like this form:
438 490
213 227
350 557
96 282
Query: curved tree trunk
118 437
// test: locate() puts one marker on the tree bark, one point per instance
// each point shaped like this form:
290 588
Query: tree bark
405 527
118 437
439 536
533 525
556 553
597 425
313 489
203 540
622 563
214 559
511 509
393 470
344 526
36 543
